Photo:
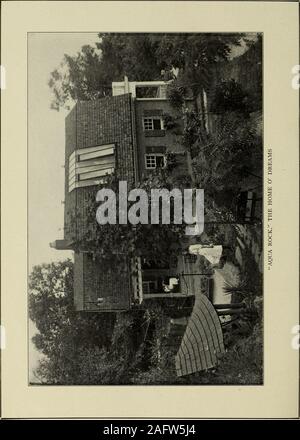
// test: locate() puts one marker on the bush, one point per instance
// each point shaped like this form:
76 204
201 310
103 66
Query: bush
243 362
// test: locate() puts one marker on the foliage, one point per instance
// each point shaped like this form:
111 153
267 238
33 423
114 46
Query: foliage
79 348
50 303
62 332
97 366
109 241
227 157
92 364
117 364
171 161
250 286
79 77
243 362
160 368
161 372
176 94
88 75
229 96
193 130
195 54
80 358
170 121
179 49
121 54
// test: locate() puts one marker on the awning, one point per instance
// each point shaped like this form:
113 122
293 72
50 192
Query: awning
202 343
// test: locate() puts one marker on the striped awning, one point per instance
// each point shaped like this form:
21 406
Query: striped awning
202 342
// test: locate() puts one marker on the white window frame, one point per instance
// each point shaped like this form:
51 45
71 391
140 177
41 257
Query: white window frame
153 158
148 123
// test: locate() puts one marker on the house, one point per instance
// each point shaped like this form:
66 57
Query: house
126 132
133 131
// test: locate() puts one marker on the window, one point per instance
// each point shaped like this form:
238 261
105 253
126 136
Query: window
155 123
88 166
155 161
147 91
151 91
150 286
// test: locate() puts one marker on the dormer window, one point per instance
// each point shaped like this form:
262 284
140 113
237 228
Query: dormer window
89 166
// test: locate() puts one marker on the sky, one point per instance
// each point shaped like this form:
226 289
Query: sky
46 150
46 143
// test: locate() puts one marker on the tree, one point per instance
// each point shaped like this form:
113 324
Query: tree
228 156
50 297
80 77
88 75
229 96
122 53
110 241
62 332
195 56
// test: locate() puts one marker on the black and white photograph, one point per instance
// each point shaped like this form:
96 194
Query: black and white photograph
145 218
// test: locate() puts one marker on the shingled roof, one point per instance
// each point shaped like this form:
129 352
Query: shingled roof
98 287
106 121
